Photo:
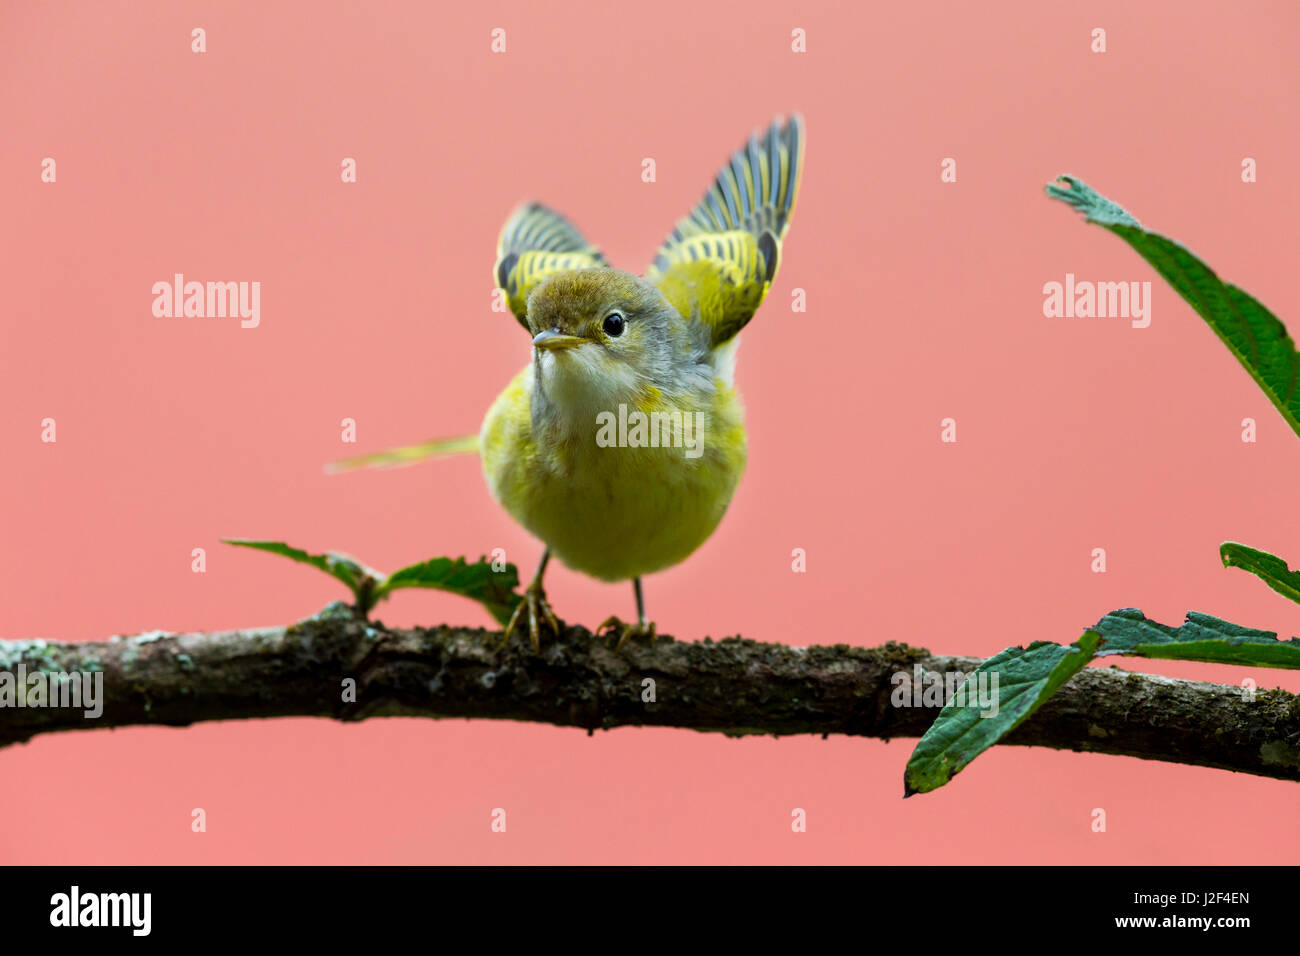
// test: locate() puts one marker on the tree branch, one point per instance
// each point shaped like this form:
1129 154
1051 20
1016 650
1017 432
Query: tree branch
732 686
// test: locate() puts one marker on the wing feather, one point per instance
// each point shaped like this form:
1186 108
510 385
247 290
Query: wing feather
537 242
720 259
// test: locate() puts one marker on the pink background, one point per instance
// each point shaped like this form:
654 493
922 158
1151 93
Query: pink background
924 301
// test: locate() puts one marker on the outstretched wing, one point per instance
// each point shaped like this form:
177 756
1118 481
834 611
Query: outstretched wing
720 260
537 242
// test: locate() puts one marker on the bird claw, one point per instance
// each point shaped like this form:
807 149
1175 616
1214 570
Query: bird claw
625 631
539 612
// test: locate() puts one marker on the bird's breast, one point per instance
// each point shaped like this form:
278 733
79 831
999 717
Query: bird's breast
621 490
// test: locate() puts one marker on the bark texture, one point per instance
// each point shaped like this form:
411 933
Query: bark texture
732 686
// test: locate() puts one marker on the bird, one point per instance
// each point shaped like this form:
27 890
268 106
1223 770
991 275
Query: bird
621 443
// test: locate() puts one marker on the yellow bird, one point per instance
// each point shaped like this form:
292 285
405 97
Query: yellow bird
621 443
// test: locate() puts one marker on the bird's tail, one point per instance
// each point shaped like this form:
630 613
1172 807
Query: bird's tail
406 455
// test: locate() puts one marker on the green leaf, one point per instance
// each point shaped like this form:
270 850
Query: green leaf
359 579
495 590
1269 567
1249 330
1026 677
1201 638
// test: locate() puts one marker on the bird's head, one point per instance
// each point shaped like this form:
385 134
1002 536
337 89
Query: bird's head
602 335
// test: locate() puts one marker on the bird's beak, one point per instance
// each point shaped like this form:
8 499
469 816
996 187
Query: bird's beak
553 340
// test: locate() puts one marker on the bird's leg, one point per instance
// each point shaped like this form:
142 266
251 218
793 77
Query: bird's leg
538 608
642 627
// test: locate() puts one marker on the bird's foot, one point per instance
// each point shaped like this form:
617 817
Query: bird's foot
625 631
539 612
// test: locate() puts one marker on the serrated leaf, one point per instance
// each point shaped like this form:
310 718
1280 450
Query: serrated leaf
351 572
1026 677
1201 638
1271 569
495 590
1249 330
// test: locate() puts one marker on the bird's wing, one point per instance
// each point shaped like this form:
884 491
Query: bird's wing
721 258
537 242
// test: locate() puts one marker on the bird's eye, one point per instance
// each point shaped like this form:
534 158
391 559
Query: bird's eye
613 325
